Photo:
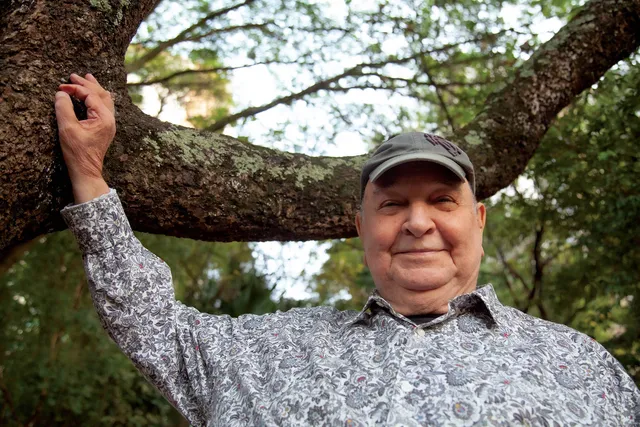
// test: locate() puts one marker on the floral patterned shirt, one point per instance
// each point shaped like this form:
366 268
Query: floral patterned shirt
482 363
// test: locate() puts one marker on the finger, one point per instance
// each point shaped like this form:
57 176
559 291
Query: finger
64 109
92 79
82 92
80 80
106 96
87 83
96 108
78 91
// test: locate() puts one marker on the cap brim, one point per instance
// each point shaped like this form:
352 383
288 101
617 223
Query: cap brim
417 157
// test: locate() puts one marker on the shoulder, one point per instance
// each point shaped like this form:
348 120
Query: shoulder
551 333
569 346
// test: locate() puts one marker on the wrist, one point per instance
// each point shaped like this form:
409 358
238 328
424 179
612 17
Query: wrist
87 189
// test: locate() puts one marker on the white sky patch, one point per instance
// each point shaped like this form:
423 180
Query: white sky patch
291 265
545 27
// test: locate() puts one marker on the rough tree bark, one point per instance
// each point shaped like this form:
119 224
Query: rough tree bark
203 185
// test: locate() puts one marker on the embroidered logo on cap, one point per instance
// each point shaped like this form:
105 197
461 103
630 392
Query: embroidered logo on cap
435 140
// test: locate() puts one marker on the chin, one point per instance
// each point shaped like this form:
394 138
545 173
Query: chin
426 281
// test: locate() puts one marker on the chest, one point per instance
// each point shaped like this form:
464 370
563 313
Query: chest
391 371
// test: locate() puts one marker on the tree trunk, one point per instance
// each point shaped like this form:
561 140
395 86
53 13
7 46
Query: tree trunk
203 185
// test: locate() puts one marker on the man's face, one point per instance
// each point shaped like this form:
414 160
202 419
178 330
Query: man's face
422 236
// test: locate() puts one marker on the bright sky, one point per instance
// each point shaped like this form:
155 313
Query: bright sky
291 264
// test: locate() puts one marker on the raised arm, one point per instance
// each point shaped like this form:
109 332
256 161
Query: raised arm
171 344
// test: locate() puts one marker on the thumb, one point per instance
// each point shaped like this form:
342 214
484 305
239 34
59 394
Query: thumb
64 109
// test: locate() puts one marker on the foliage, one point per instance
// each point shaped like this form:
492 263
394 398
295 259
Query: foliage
374 67
57 365
182 88
344 275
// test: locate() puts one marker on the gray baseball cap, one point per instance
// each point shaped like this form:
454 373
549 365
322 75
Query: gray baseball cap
413 147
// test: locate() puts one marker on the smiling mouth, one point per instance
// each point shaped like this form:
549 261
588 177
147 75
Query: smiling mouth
419 252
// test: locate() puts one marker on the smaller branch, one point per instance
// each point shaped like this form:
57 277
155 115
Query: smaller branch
206 70
538 271
512 291
363 86
543 311
193 276
537 248
321 85
162 46
575 313
509 284
252 111
479 38
163 103
443 104
415 81
7 395
198 37
550 258
509 267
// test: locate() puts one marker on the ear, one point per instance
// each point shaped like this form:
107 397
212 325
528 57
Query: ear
481 215
359 229
482 221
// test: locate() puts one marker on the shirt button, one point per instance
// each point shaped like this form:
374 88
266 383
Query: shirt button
419 332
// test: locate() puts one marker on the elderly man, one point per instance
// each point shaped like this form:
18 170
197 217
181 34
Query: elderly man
428 348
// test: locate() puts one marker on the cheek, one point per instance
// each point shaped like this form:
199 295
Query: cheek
382 235
463 238
377 239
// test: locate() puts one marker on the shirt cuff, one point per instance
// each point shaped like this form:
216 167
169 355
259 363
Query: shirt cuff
98 224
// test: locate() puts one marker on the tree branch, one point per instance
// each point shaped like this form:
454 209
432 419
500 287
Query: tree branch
321 85
204 71
6 395
507 265
183 36
538 271
504 136
443 105
198 37
252 111
190 183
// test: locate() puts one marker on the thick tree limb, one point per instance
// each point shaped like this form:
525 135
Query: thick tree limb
187 183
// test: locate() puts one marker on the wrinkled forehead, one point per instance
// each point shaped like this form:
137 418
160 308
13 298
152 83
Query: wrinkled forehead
414 172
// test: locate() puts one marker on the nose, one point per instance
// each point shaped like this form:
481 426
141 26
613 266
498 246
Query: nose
418 221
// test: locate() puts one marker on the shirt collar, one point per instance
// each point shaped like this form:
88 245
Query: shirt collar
483 298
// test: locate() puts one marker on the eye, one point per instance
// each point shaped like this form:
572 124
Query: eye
389 204
445 199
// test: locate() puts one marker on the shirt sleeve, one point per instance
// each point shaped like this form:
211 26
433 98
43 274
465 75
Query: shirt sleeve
133 294
621 388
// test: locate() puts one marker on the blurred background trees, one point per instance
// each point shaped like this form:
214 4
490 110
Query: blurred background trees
561 242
